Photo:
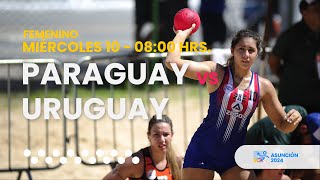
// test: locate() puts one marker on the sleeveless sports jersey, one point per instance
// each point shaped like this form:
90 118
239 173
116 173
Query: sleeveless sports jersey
150 170
224 129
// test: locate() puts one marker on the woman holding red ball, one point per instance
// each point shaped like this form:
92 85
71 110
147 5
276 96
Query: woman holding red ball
233 101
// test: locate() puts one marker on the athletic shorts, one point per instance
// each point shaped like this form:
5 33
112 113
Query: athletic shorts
197 157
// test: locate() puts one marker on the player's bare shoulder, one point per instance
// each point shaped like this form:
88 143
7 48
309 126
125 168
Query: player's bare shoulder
266 86
219 68
137 163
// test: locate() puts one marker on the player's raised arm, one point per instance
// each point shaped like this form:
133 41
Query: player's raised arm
181 35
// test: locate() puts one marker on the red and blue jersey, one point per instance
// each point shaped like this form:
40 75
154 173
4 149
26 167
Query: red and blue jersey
225 127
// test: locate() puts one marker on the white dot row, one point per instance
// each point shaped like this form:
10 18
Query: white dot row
71 153
78 160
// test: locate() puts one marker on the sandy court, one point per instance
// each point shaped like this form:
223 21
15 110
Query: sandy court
104 136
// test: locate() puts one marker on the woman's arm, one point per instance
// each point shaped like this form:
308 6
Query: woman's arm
194 67
118 173
284 122
126 170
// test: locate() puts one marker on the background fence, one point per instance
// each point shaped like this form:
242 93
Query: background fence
40 145
31 145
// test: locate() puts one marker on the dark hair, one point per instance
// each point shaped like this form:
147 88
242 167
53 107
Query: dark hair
258 172
304 4
170 155
296 136
244 33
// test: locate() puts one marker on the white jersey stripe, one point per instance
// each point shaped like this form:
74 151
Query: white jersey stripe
225 100
249 108
233 118
229 128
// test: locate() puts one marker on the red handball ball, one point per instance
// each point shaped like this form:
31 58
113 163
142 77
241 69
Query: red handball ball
184 19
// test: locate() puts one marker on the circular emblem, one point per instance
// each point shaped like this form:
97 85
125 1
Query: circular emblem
236 107
151 174
228 87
